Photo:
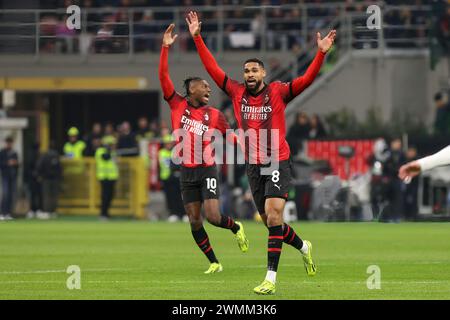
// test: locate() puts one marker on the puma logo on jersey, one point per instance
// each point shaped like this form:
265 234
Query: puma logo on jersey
188 112
278 186
213 190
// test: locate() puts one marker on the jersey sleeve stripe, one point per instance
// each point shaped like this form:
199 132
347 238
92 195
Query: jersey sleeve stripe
171 96
291 91
224 85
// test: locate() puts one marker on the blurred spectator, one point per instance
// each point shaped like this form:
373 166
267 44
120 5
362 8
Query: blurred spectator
317 130
49 170
379 183
444 30
96 143
92 17
127 145
92 139
293 23
169 175
104 39
74 148
144 131
9 166
246 207
145 33
47 28
65 38
274 32
164 132
411 189
298 133
125 3
109 132
258 28
32 180
154 127
442 118
107 174
93 20
395 190
121 31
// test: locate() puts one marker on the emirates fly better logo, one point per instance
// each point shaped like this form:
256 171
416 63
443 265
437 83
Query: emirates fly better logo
250 112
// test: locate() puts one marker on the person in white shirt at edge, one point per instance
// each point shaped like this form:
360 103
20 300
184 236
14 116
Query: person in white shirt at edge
414 168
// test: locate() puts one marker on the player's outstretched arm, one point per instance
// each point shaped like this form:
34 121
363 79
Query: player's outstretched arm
324 45
414 168
211 65
164 76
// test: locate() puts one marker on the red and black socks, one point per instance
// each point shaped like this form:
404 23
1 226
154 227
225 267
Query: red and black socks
202 240
228 223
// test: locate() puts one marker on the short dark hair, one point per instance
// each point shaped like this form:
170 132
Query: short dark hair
187 83
254 60
438 96
9 139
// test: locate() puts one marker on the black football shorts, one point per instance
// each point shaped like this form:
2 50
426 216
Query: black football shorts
274 185
199 184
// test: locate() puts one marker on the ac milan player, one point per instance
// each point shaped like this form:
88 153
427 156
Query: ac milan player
259 107
196 119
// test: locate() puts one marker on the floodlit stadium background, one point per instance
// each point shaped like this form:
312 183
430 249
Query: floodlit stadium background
383 89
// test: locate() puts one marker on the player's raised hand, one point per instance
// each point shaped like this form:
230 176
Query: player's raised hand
193 23
326 43
168 38
409 171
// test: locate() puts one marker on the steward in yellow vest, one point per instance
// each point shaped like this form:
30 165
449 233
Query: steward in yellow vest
73 149
169 174
107 172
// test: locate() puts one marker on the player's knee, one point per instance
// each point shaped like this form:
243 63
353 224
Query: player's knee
196 223
274 216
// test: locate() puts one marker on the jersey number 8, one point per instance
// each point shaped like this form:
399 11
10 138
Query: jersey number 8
275 176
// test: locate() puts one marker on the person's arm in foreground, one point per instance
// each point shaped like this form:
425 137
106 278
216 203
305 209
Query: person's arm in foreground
414 168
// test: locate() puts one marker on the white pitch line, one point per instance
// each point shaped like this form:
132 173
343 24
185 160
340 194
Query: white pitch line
32 272
318 282
60 271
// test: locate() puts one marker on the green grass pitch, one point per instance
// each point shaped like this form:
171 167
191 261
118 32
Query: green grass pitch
144 260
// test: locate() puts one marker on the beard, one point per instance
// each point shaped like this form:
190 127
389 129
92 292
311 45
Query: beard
257 85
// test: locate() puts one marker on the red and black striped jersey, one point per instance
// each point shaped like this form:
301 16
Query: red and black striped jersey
193 126
261 117
261 113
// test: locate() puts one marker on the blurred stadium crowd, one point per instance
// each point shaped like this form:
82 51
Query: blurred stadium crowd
111 26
